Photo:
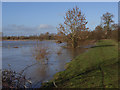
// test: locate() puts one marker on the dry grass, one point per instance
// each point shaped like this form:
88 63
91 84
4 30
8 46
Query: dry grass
12 79
41 53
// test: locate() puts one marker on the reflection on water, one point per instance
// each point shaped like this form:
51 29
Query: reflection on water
22 56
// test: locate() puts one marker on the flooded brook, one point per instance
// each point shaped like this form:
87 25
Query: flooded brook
19 55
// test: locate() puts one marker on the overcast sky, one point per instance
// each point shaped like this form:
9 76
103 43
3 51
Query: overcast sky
31 18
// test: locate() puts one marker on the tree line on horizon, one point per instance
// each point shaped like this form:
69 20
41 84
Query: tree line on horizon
74 30
42 36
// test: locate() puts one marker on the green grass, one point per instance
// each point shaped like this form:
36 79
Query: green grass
96 68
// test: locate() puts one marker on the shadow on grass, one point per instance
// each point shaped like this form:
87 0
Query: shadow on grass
85 74
102 46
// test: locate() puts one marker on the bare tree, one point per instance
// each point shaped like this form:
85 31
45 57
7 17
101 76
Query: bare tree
74 26
107 19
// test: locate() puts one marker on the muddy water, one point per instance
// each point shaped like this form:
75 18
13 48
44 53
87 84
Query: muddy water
19 54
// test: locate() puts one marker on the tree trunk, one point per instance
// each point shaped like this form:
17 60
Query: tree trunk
74 42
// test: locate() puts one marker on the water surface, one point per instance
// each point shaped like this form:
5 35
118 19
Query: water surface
22 56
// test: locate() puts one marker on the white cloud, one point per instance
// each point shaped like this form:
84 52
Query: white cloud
22 29
45 26
15 27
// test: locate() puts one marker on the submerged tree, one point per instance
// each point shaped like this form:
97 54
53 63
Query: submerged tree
74 27
107 19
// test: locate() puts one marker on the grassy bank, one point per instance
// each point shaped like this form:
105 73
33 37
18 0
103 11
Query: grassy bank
93 69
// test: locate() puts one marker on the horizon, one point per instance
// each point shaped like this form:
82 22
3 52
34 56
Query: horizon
34 18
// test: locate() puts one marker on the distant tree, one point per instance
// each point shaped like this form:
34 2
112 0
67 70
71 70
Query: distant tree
119 32
114 34
99 32
60 37
46 36
92 35
74 27
107 19
114 26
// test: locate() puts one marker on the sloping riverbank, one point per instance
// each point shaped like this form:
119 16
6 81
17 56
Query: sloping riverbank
97 68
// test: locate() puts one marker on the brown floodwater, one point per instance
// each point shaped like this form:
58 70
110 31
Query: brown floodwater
19 54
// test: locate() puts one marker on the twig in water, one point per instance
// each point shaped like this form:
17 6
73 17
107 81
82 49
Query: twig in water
55 84
27 67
